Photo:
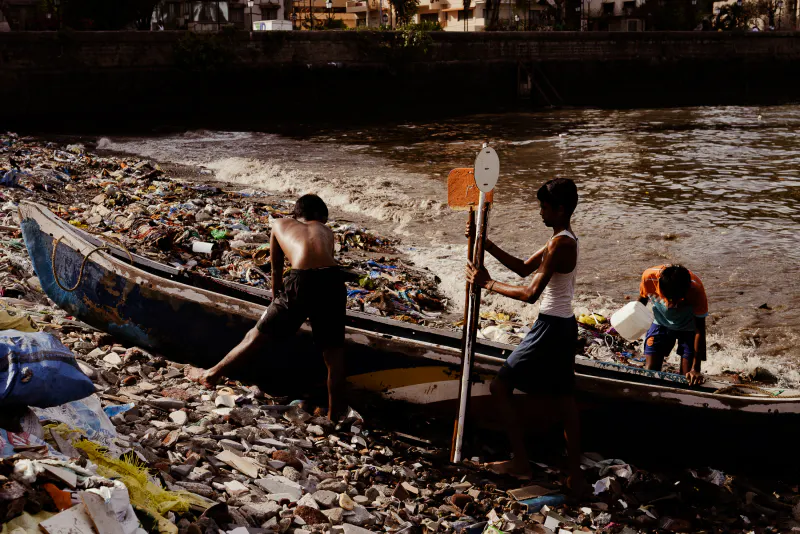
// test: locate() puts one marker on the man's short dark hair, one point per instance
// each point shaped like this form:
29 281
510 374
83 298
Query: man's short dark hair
311 208
674 282
560 192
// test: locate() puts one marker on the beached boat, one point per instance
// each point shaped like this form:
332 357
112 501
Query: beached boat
191 318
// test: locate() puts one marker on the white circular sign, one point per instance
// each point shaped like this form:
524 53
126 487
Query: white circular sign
487 169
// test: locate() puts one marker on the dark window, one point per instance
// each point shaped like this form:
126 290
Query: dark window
462 15
608 9
429 17
237 15
269 14
628 7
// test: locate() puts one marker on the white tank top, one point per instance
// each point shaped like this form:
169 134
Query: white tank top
557 296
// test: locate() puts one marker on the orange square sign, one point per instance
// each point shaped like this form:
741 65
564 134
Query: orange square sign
462 192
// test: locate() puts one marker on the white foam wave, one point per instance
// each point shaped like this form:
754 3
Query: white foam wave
354 193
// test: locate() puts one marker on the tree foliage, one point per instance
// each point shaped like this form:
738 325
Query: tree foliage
405 10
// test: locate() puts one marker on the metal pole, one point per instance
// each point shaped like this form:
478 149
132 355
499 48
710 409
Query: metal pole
471 328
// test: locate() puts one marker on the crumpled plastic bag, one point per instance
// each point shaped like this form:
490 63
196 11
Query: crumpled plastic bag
615 467
86 415
9 440
118 501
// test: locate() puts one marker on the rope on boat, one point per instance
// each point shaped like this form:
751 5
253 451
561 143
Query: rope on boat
757 389
83 265
114 241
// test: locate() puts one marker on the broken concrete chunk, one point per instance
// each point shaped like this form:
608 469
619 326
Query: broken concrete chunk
280 485
87 369
333 484
269 442
235 488
243 464
113 359
229 444
179 418
96 353
334 515
359 517
326 498
311 516
262 511
72 521
308 500
352 529
291 473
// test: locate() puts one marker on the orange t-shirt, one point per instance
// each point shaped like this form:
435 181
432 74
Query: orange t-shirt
680 317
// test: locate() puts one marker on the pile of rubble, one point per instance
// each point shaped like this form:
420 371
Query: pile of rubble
239 461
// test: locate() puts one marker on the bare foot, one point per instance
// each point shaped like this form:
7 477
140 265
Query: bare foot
512 468
201 376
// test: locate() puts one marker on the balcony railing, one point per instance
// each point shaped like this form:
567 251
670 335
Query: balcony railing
359 6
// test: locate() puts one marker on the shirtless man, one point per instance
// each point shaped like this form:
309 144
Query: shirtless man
313 289
543 363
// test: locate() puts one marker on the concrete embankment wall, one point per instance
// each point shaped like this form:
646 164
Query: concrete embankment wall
153 78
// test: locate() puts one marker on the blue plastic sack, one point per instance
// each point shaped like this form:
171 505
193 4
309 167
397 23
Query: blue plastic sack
37 370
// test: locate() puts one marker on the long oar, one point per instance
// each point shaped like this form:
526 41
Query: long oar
463 194
487 171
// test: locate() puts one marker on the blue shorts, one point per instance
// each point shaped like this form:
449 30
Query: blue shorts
660 340
544 361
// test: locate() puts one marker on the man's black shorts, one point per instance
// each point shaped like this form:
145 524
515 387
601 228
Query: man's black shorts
544 362
318 295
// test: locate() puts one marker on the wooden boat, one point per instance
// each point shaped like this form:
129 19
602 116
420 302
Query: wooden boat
196 319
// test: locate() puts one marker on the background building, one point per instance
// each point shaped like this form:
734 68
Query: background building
453 16
613 15
370 13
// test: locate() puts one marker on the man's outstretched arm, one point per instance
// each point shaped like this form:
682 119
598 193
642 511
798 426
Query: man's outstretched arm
532 291
523 268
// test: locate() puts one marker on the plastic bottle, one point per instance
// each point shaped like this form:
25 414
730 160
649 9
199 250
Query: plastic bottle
537 503
632 321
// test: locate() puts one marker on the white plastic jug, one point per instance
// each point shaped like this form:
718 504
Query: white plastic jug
632 321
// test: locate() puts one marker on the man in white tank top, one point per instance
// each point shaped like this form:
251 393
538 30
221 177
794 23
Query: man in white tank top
543 363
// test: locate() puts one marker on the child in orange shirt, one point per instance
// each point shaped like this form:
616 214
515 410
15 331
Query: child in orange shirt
680 308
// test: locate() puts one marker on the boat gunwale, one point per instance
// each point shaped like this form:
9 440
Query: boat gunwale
72 238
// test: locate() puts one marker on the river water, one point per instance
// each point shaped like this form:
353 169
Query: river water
714 188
